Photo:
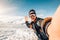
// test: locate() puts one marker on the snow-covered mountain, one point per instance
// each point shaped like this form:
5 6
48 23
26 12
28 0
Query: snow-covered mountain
12 21
14 28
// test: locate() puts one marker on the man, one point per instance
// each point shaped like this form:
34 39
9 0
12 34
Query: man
35 24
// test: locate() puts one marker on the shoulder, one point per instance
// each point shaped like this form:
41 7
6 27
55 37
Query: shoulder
39 21
39 18
46 21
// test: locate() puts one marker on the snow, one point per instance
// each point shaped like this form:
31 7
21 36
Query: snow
17 34
14 28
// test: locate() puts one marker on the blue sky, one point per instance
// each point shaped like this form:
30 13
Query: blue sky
21 7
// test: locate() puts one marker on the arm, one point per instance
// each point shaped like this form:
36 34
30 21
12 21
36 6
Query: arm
26 21
54 28
27 24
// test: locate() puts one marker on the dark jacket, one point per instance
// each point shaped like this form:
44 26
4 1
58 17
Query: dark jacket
35 25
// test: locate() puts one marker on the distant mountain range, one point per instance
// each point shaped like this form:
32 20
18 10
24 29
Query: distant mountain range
12 21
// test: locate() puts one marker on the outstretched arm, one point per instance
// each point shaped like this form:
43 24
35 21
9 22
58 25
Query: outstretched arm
54 27
26 21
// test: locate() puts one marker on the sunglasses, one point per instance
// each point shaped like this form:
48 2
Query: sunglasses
32 15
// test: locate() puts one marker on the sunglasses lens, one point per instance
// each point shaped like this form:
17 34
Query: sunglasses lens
32 15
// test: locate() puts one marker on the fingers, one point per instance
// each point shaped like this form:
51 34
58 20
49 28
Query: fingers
26 18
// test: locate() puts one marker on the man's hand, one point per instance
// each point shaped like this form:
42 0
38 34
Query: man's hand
26 18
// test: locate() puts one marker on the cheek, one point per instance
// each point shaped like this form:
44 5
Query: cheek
32 18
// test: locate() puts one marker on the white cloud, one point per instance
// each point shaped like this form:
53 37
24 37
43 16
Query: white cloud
41 13
8 13
6 18
7 8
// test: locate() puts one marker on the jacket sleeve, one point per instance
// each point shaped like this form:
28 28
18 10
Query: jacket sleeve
27 24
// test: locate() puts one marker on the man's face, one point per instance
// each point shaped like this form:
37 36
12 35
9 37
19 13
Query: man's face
32 16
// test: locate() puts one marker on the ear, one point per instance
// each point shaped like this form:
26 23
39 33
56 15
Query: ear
54 28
